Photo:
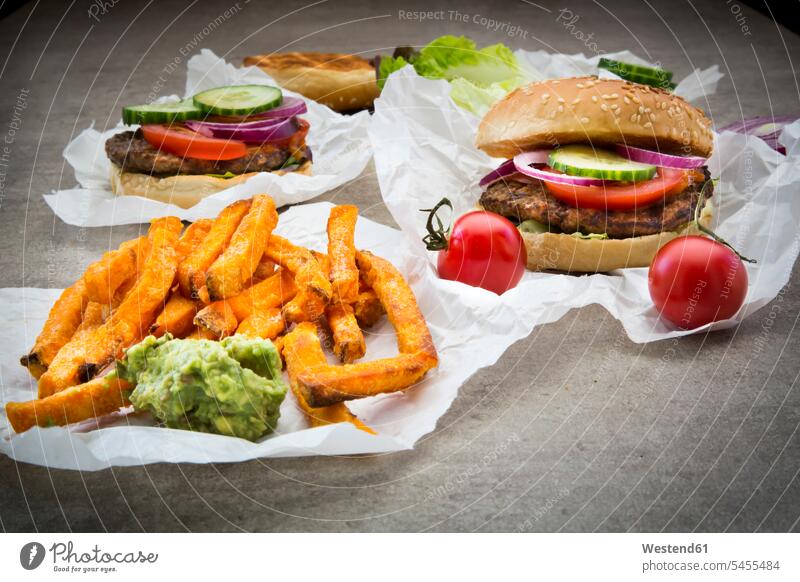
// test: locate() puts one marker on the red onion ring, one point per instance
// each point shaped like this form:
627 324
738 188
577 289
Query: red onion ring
290 107
658 159
503 170
222 126
522 163
767 128
275 130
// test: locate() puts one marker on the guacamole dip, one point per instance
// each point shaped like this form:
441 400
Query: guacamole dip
232 387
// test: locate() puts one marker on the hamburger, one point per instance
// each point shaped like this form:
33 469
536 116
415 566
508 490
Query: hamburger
184 151
600 173
343 82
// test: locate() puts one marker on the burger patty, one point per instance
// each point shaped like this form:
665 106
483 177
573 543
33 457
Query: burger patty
531 201
131 152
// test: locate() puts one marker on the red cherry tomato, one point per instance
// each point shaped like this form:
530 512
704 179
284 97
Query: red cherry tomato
186 143
694 280
484 250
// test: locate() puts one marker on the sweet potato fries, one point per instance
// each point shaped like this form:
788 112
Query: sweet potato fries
220 277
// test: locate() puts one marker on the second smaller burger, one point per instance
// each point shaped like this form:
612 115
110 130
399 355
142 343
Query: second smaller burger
184 151
601 173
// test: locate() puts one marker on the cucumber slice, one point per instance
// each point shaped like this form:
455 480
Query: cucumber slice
580 160
622 69
652 81
238 99
160 112
660 78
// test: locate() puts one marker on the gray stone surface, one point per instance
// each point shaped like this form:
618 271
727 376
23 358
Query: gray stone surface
574 429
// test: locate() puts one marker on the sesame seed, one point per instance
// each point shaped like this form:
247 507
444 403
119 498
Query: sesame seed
604 107
584 120
652 117
641 109
546 96
615 106
614 95
594 98
561 100
633 118
579 85
664 105
576 100
648 124
561 109
626 100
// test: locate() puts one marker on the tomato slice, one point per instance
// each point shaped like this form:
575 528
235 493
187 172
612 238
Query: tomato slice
186 143
627 196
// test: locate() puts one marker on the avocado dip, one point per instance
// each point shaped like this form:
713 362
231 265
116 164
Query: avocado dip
231 387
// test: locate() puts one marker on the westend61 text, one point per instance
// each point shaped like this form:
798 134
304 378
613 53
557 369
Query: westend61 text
672 549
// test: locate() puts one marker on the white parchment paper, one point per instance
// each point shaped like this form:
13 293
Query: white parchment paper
339 145
423 150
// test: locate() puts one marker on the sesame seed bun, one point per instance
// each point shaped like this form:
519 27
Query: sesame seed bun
600 112
182 190
562 252
340 81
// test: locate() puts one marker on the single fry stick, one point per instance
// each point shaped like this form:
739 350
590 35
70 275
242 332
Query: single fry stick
342 253
64 318
177 318
323 385
234 268
223 317
313 287
400 304
267 324
90 354
93 399
367 308
218 318
104 277
192 270
348 341
302 351
191 238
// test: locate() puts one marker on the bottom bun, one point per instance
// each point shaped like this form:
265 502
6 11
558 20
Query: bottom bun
182 190
563 252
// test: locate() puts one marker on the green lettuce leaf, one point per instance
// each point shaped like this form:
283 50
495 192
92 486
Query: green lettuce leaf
533 227
480 77
592 236
453 57
388 66
226 176
479 99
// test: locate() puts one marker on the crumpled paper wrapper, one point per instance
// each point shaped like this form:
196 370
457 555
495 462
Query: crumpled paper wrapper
424 150
339 144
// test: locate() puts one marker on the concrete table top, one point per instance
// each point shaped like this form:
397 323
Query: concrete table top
699 434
